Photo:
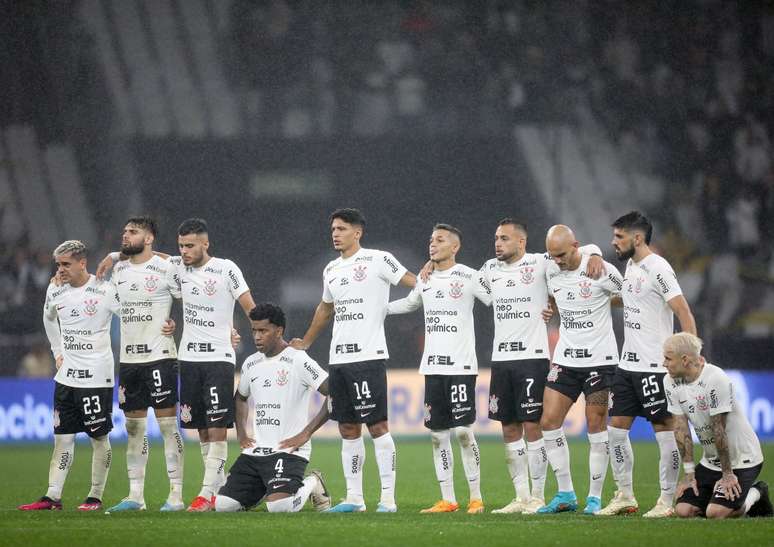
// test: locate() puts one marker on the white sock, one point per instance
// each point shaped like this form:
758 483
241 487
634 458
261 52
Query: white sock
598 460
753 495
224 504
518 467
622 459
61 461
668 465
443 458
214 463
136 457
559 457
384 447
101 456
294 503
352 460
471 459
538 463
173 454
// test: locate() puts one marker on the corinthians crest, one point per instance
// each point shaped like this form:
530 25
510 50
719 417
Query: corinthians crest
359 273
427 412
527 275
121 395
282 377
185 413
456 289
701 403
151 283
493 404
209 287
90 307
585 289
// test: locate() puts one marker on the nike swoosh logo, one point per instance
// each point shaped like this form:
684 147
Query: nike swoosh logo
427 289
216 419
275 486
332 280
121 282
458 417
60 308
683 402
593 383
496 279
183 282
557 290
366 414
532 411
652 412
160 400
93 429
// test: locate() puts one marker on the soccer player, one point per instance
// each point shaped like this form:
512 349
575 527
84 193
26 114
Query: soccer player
281 381
209 287
77 319
723 484
356 289
520 358
449 362
651 298
584 361
148 371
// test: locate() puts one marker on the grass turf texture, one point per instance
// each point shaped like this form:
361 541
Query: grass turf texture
25 469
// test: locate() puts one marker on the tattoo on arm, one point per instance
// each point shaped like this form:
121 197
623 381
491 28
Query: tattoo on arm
718 423
683 438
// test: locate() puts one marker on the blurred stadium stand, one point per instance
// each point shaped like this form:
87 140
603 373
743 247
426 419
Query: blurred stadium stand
262 116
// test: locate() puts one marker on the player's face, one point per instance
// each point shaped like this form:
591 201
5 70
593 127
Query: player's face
623 243
509 242
192 248
674 364
266 335
443 245
69 268
134 240
563 254
345 235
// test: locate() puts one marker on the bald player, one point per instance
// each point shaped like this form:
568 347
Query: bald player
584 361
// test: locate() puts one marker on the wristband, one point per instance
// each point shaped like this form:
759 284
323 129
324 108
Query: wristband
115 256
689 467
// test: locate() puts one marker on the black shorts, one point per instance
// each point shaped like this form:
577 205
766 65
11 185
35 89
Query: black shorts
572 381
143 385
253 477
705 482
206 395
639 394
87 409
516 390
450 401
358 392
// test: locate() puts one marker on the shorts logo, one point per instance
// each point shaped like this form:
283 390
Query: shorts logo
427 412
282 377
456 289
527 276
151 283
359 273
90 307
57 422
185 413
701 403
585 289
209 287
493 404
121 395
553 374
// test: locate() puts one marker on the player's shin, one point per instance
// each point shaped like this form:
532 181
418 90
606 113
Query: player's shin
61 461
384 446
173 454
559 457
471 460
443 458
352 459
518 467
598 460
622 459
538 464
136 457
213 468
669 465
101 457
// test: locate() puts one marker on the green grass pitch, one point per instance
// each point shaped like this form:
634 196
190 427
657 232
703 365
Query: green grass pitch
24 471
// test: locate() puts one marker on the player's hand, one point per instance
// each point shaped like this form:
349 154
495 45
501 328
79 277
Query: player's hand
595 267
295 442
547 314
427 269
728 485
246 442
235 339
58 362
689 481
104 267
298 343
169 328
56 280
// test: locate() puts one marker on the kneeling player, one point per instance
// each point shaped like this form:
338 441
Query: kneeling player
723 484
281 380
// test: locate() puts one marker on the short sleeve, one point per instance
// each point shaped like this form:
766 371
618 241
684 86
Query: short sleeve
721 395
244 381
327 295
612 282
392 270
665 282
311 373
236 281
173 276
113 298
482 290
672 406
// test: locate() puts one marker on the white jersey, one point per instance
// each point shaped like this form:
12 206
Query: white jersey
648 319
359 289
447 297
281 388
586 336
209 293
82 335
712 393
146 300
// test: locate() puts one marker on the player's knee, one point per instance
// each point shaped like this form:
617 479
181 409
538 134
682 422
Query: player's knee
378 429
224 504
437 437
135 426
686 510
715 511
284 505
464 436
